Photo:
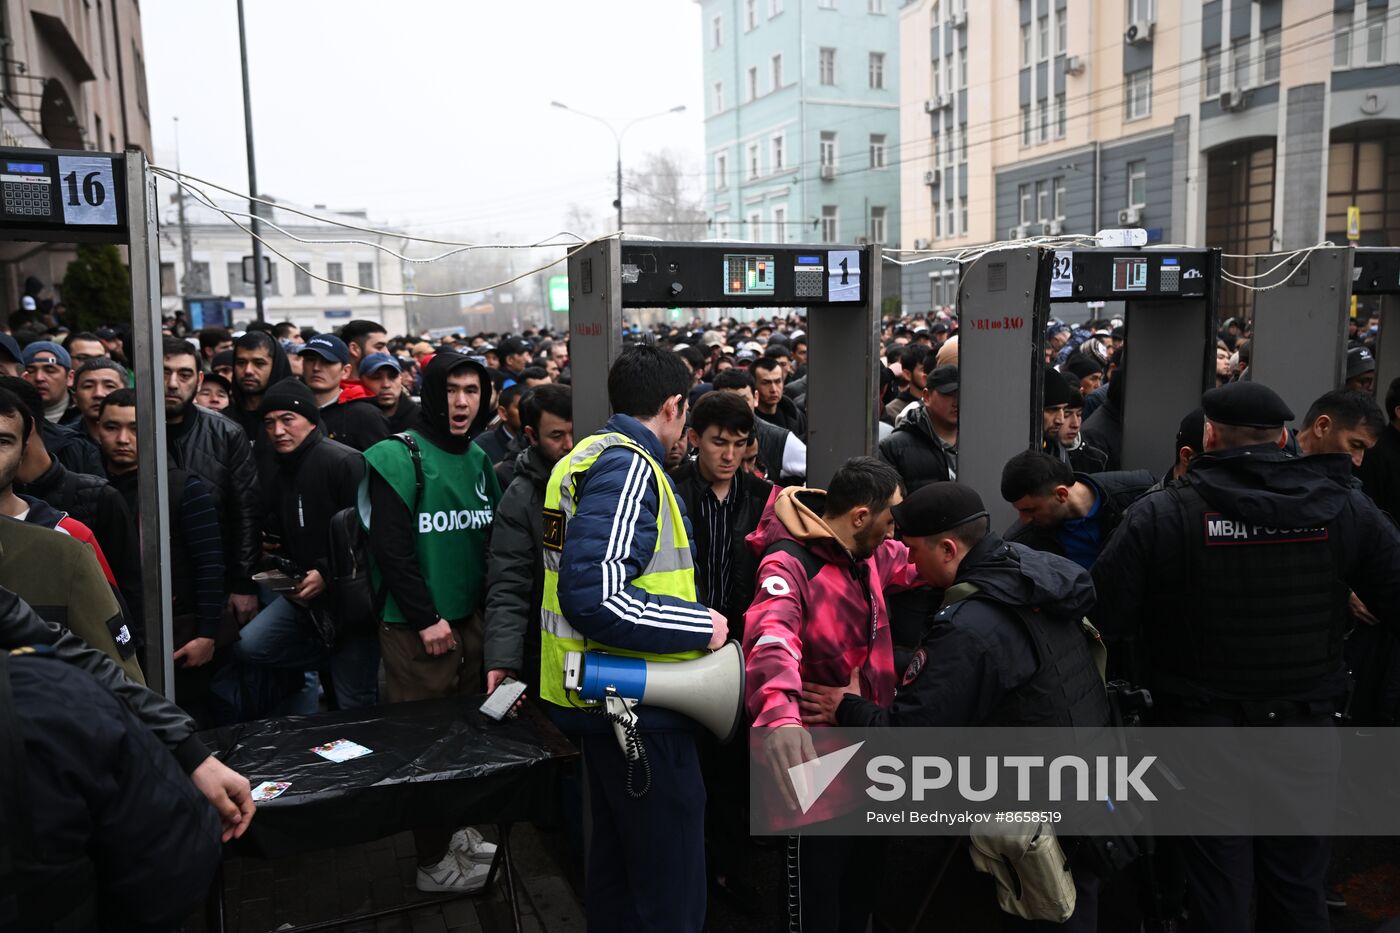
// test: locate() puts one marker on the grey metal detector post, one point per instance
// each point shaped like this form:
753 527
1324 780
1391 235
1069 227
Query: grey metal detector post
1376 271
1000 360
838 285
55 195
1300 327
1170 299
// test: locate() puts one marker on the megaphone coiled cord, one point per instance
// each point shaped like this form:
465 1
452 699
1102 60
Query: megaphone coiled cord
635 753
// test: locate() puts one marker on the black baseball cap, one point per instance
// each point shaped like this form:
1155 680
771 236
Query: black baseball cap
944 379
936 508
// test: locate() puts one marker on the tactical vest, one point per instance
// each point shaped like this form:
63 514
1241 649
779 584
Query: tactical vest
31 888
670 572
1067 688
1259 612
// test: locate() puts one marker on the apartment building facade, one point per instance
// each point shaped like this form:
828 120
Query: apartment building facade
1251 125
802 120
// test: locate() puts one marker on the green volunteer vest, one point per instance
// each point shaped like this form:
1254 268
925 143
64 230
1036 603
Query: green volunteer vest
460 492
670 572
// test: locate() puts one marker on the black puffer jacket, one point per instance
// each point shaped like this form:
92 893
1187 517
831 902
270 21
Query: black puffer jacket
914 451
216 450
787 415
71 448
515 570
753 494
1116 491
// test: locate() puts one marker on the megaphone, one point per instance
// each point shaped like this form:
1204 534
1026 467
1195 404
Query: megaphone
709 690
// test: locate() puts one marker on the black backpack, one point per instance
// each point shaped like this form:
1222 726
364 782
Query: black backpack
356 604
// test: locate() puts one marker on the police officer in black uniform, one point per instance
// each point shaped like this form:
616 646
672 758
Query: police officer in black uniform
1230 587
1006 648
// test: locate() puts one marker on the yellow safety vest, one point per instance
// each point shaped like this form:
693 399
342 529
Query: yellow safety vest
670 572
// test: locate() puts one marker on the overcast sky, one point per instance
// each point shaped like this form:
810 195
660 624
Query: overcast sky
434 113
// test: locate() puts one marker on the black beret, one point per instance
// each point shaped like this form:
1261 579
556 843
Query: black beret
1246 405
936 508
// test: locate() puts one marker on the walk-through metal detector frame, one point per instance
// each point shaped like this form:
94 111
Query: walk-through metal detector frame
1001 330
843 331
1170 297
1376 271
38 179
1299 343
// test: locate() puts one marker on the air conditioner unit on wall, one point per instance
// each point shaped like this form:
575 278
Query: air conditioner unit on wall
1232 100
932 178
920 244
828 172
1129 216
1055 228
957 20
1074 65
1018 232
931 105
1140 32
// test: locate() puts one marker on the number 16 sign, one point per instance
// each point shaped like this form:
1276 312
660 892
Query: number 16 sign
86 188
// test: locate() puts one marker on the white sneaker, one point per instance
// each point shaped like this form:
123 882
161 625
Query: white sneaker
453 875
471 846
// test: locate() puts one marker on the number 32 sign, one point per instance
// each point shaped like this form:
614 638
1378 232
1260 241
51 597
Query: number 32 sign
87 189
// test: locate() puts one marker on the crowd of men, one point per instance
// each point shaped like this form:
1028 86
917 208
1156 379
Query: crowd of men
461 462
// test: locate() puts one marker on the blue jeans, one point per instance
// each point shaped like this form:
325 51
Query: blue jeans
282 636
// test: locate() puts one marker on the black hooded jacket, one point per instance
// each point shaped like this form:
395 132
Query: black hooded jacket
978 653
915 452
304 489
394 541
1141 576
787 415
238 409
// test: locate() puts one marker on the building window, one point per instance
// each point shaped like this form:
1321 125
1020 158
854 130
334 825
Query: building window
935 74
828 150
721 171
753 161
199 283
1061 31
167 279
1042 202
937 223
1139 95
719 96
301 280
828 223
1137 183
962 67
876 6
753 82
102 36
877 71
777 62
336 273
948 220
722 228
877 150
774 8
1341 39
1211 62
780 224
775 152
271 287
755 226
142 102
826 66
1025 124
962 142
1142 10
236 285
1042 38
1375 34
1272 42
1027 49
750 14
1023 199
1058 185
1043 107
717 32
877 225
366 274
1239 64
1061 116
97 134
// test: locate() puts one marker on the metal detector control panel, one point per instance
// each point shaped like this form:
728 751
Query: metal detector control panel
1375 272
742 275
1116 275
63 195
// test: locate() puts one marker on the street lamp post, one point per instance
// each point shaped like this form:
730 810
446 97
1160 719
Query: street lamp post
617 138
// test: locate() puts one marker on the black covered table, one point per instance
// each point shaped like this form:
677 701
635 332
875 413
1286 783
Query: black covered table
432 763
